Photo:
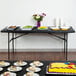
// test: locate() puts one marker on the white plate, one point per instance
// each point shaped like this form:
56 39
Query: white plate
11 74
5 64
25 28
35 74
23 64
54 27
41 64
18 69
1 69
37 70
65 27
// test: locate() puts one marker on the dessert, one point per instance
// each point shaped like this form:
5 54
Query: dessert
12 26
55 28
32 68
36 63
2 63
19 62
6 74
28 26
64 28
13 68
43 27
63 68
29 74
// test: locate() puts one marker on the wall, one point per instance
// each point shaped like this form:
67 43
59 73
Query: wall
19 12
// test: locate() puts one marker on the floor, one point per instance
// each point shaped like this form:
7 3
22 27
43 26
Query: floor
52 56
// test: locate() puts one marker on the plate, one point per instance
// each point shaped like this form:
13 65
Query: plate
41 64
11 74
28 27
37 69
65 28
35 74
18 69
1 69
42 28
23 64
56 28
4 64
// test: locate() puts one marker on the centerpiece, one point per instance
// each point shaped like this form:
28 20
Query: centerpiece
39 18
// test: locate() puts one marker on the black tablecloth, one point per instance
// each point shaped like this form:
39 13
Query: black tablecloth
18 30
41 73
23 71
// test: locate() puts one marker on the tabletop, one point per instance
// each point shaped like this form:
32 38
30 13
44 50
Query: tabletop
35 30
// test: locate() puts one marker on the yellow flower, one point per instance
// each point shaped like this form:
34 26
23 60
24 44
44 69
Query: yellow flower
37 17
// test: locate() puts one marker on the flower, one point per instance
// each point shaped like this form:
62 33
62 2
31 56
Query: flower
39 17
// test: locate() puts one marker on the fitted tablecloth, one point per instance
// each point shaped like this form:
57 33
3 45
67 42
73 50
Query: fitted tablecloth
41 73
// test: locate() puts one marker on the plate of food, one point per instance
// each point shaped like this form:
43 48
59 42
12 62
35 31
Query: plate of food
27 27
31 74
14 68
20 63
42 28
12 27
55 28
64 28
4 64
8 74
36 63
33 69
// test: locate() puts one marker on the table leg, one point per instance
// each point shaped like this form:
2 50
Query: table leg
13 50
65 45
8 46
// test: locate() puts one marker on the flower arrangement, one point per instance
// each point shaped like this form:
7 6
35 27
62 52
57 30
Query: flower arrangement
39 18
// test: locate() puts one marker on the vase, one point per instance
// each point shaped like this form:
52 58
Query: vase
38 23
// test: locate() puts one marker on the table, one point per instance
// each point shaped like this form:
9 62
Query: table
35 30
23 71
41 73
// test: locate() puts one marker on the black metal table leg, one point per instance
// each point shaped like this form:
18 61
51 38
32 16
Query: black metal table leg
65 45
8 46
13 50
